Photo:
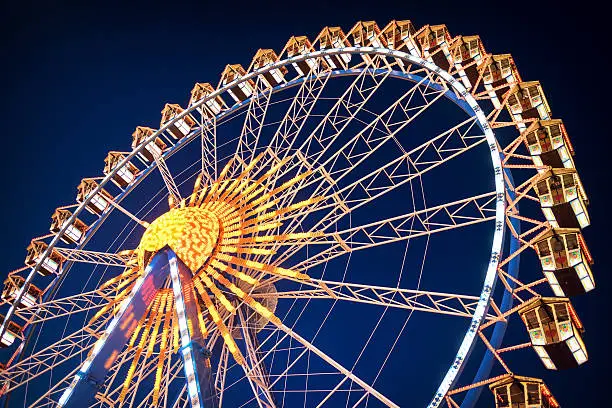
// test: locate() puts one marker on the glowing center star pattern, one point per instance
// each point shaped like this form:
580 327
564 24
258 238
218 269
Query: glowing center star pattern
227 233
191 232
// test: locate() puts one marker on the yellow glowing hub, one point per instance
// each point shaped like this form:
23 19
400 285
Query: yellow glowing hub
214 232
191 232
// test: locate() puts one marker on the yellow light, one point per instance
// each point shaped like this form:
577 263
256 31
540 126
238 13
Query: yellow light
158 318
211 231
259 308
175 336
220 296
250 230
191 232
130 374
229 341
246 250
261 208
231 271
196 189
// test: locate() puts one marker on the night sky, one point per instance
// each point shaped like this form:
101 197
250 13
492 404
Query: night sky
78 78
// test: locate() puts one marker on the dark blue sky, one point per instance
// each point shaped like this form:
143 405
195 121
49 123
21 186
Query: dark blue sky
77 79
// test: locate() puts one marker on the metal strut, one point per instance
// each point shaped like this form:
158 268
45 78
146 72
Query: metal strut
92 373
196 357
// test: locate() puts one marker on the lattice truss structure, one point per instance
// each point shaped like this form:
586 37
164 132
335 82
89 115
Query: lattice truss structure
204 297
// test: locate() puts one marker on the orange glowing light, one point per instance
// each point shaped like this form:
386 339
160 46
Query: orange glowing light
190 232
214 232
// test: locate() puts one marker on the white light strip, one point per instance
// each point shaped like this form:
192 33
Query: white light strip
189 363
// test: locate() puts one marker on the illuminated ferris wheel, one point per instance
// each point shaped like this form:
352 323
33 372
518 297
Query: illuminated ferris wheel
316 230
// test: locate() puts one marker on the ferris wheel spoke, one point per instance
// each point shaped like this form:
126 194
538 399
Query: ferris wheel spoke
391 175
50 357
253 121
172 373
208 136
114 392
98 258
146 368
384 127
363 191
346 107
133 217
221 374
409 299
369 187
61 307
255 369
102 397
125 356
333 363
299 111
182 400
49 398
344 110
436 219
173 191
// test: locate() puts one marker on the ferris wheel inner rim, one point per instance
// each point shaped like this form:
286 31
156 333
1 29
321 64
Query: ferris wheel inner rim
474 111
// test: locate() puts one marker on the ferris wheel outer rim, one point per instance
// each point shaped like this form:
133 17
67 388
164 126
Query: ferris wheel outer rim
478 114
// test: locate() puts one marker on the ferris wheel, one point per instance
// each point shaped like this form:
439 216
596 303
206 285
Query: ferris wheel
339 224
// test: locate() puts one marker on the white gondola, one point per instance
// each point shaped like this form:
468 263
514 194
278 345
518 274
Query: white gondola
125 175
51 265
12 287
213 106
299 46
433 42
527 101
273 77
334 37
498 73
244 89
549 144
466 54
515 391
13 332
366 34
181 127
74 231
562 199
555 332
399 35
566 262
99 202
156 147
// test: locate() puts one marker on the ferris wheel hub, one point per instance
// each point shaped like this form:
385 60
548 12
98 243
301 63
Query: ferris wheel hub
191 232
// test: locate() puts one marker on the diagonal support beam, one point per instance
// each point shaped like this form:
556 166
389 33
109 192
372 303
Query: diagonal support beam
60 307
409 299
253 122
333 363
173 190
94 257
457 214
256 371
